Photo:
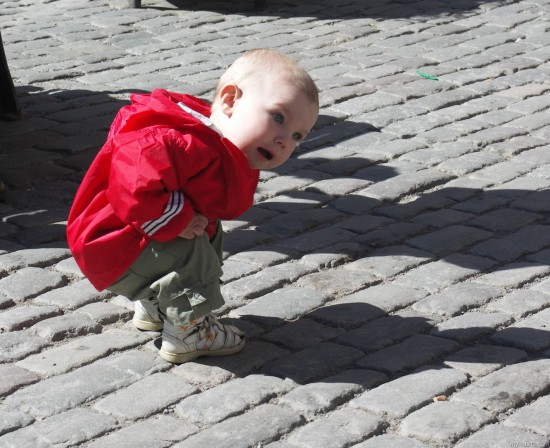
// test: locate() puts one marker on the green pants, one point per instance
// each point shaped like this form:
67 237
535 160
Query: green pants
183 275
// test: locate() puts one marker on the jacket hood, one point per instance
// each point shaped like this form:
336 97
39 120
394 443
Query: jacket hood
159 108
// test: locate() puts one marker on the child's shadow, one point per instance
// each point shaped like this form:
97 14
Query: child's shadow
359 336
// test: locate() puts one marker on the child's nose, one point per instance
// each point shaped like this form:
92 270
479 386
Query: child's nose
284 140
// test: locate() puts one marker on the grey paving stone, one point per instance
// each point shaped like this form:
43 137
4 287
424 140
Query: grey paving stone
12 419
530 238
481 359
347 313
390 261
301 333
410 211
497 436
317 239
156 392
279 444
25 316
443 423
231 399
442 218
449 240
81 351
158 432
246 430
40 257
16 345
105 313
265 281
337 282
261 257
68 428
66 326
413 352
469 163
313 362
29 282
438 275
14 377
513 275
340 428
64 392
457 299
283 304
386 331
534 417
535 156
399 186
470 326
508 387
530 334
241 240
277 186
293 223
504 220
536 202
400 397
69 266
325 395
203 376
438 152
72 296
520 303
391 441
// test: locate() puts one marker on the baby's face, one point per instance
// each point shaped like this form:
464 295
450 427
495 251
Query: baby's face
267 121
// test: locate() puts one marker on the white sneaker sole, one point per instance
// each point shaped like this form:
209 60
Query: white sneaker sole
147 325
179 358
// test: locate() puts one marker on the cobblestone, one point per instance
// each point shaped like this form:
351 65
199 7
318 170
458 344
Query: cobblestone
79 352
63 392
400 254
227 400
509 386
533 417
64 429
341 428
155 392
400 397
494 436
29 282
316 398
246 430
445 422
482 359
158 432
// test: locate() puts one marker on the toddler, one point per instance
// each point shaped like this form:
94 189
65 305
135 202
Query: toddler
145 222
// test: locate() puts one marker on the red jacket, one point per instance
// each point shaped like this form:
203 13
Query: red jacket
159 163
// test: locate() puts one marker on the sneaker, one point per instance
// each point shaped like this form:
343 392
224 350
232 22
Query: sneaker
205 337
146 315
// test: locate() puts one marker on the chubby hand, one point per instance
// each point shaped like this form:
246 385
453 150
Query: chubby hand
195 227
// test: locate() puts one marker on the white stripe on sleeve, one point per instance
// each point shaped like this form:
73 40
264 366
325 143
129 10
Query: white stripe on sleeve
174 206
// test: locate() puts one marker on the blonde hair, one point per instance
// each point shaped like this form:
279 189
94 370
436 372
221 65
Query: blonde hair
254 65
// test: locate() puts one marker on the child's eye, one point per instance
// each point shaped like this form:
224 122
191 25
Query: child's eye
297 136
278 118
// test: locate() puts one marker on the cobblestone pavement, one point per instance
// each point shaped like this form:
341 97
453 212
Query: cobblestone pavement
393 278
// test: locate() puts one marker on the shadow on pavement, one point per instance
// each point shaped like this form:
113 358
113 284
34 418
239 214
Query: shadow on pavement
378 9
325 342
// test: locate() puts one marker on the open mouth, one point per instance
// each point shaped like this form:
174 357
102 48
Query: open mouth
265 153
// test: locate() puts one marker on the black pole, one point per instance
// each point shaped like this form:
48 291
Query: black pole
9 109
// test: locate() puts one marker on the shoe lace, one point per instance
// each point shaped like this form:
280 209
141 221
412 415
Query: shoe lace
208 329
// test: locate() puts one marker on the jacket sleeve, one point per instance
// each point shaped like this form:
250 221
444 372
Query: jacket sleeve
148 173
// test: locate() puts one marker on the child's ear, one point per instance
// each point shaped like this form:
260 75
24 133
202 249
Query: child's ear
229 94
